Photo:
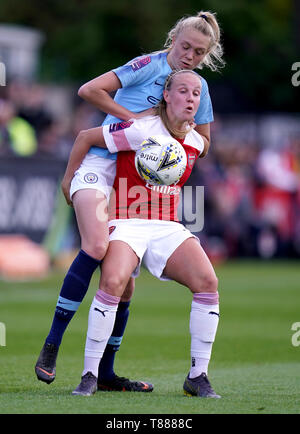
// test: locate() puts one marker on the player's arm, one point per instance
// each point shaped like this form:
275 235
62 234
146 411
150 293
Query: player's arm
82 144
204 131
97 92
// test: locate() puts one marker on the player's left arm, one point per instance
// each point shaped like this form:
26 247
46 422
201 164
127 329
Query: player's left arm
204 131
82 144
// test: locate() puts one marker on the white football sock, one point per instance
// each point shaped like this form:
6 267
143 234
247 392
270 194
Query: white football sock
204 320
100 326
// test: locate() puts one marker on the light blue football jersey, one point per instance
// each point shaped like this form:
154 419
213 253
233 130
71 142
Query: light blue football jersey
142 82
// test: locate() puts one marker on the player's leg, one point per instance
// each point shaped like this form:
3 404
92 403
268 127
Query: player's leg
92 224
190 266
107 378
117 267
106 368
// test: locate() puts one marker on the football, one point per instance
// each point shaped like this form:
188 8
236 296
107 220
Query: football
161 160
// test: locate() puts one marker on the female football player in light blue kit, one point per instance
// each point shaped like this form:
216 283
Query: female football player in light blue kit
194 42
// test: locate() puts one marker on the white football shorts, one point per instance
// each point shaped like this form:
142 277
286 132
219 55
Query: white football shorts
153 241
95 173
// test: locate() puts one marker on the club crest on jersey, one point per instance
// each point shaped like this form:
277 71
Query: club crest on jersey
191 158
119 126
138 64
90 178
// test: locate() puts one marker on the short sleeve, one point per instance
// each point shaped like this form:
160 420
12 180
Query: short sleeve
204 113
136 71
124 136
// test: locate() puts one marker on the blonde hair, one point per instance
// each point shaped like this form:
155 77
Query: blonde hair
206 23
161 108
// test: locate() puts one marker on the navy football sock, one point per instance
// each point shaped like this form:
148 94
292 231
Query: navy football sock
74 288
106 366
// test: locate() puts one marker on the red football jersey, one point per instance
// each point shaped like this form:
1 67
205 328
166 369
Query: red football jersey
134 198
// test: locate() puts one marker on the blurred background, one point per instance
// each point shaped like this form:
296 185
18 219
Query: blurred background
251 175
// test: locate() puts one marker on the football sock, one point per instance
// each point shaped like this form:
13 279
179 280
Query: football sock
100 325
73 290
106 366
204 319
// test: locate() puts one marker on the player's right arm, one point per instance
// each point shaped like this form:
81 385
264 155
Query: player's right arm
97 92
82 144
112 137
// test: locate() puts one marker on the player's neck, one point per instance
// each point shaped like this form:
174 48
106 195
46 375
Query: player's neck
178 124
170 61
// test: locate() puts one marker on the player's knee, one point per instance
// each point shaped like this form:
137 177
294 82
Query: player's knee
129 290
208 283
114 283
96 249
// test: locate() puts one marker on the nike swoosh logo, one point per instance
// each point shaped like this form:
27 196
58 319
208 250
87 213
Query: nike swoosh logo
158 84
45 372
101 311
213 313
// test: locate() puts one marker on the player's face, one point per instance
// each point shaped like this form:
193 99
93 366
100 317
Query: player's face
183 97
188 49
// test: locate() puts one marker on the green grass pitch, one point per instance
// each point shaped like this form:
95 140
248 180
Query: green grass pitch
254 366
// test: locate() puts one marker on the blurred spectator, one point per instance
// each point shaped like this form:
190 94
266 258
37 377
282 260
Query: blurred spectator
275 198
252 198
55 141
86 116
30 101
227 175
17 136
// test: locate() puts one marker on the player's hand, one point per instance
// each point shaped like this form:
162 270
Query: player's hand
65 186
148 112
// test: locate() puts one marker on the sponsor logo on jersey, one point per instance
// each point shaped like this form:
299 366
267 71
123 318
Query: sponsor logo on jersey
164 189
90 178
138 64
119 126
